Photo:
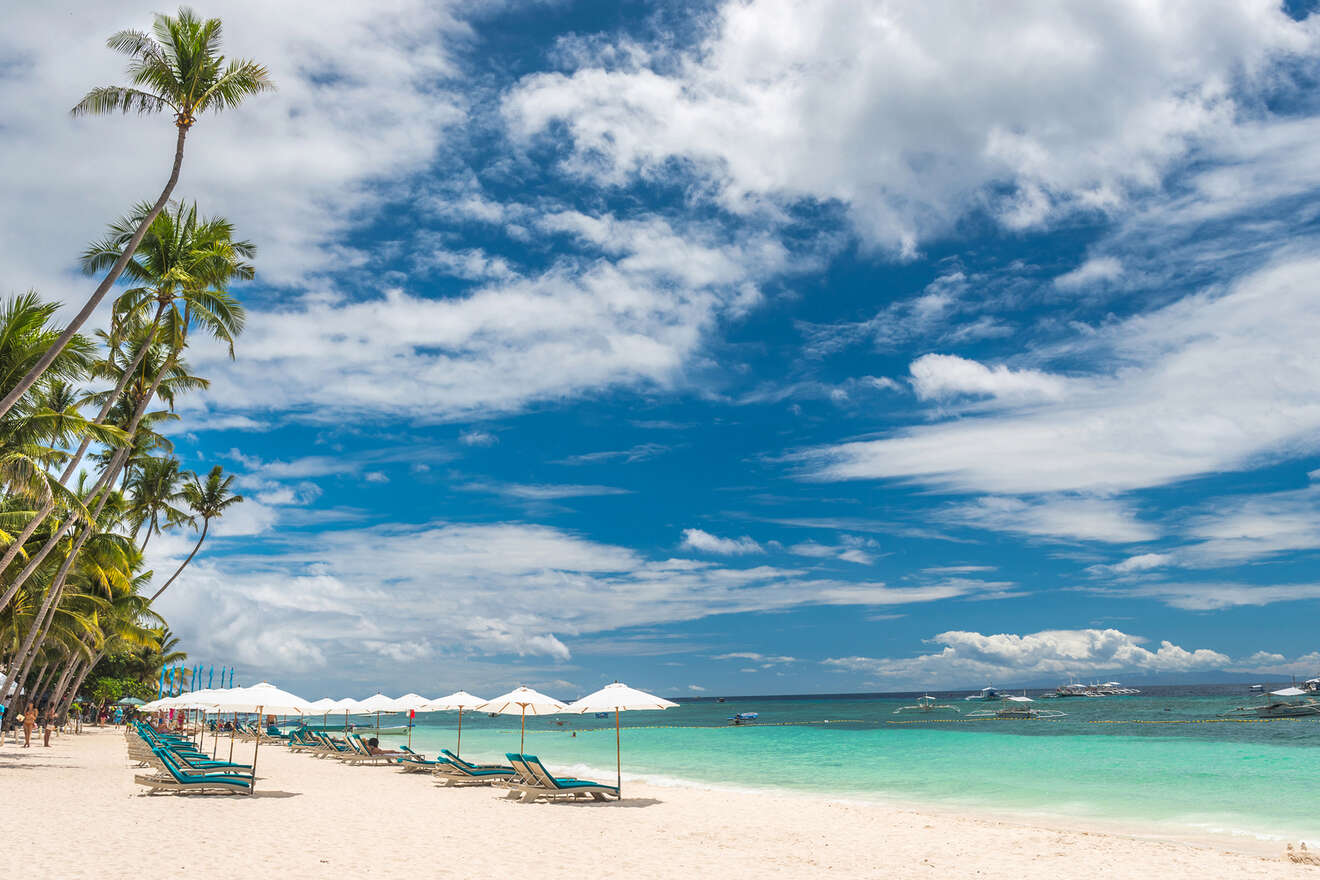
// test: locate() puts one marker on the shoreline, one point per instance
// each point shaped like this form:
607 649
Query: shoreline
312 813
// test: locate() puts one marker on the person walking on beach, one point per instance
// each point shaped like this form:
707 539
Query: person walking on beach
29 722
47 722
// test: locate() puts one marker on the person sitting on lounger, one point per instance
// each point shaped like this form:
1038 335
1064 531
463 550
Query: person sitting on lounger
373 746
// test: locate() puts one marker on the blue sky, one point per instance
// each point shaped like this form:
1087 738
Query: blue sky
735 347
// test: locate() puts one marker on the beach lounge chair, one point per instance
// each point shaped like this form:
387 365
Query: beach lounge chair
172 780
360 754
545 786
453 771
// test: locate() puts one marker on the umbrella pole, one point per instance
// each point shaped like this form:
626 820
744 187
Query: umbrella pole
255 750
458 750
215 738
522 732
233 728
618 756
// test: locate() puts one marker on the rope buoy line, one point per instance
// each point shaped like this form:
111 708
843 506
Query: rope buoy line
1201 721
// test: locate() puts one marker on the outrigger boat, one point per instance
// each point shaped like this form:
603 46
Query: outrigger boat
1017 709
743 718
1283 705
925 703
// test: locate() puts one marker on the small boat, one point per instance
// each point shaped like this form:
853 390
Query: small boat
1017 709
602 714
1285 705
1312 685
744 717
925 703
987 694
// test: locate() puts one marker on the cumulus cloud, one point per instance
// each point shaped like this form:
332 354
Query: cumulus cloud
909 115
705 542
967 657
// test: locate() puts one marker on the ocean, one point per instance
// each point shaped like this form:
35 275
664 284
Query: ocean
1160 758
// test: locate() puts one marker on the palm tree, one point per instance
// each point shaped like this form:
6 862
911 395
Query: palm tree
187 263
209 501
154 495
178 67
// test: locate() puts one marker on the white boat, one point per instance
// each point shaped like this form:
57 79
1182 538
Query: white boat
1312 685
987 694
1108 689
1290 702
1017 709
925 704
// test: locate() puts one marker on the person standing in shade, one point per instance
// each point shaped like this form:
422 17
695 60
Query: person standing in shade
47 724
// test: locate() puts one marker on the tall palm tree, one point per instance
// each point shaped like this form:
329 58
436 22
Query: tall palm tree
186 263
209 501
177 67
154 497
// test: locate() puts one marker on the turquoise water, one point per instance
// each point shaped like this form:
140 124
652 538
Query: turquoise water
1116 758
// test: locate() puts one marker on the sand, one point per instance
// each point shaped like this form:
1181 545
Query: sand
76 805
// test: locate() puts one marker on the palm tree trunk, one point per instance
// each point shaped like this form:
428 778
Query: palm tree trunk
206 522
56 588
72 467
72 693
63 682
101 289
40 679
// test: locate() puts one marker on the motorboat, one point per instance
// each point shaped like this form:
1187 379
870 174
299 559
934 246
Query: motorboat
925 704
987 694
1017 709
744 718
1290 702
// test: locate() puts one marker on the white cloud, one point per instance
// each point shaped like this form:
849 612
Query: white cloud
1216 381
1217 596
1078 517
1142 562
696 687
941 376
850 549
544 491
1253 527
363 100
968 657
630 313
477 438
705 542
913 115
765 659
1094 271
506 588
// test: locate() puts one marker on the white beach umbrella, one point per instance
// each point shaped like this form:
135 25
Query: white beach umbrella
324 705
459 700
523 701
378 703
616 698
260 698
348 706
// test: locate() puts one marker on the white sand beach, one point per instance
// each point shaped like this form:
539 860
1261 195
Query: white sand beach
77 802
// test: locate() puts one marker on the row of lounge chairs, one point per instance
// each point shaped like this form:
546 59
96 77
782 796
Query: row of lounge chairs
524 776
179 767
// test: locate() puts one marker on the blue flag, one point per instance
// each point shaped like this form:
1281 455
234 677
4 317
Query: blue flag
160 688
210 677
